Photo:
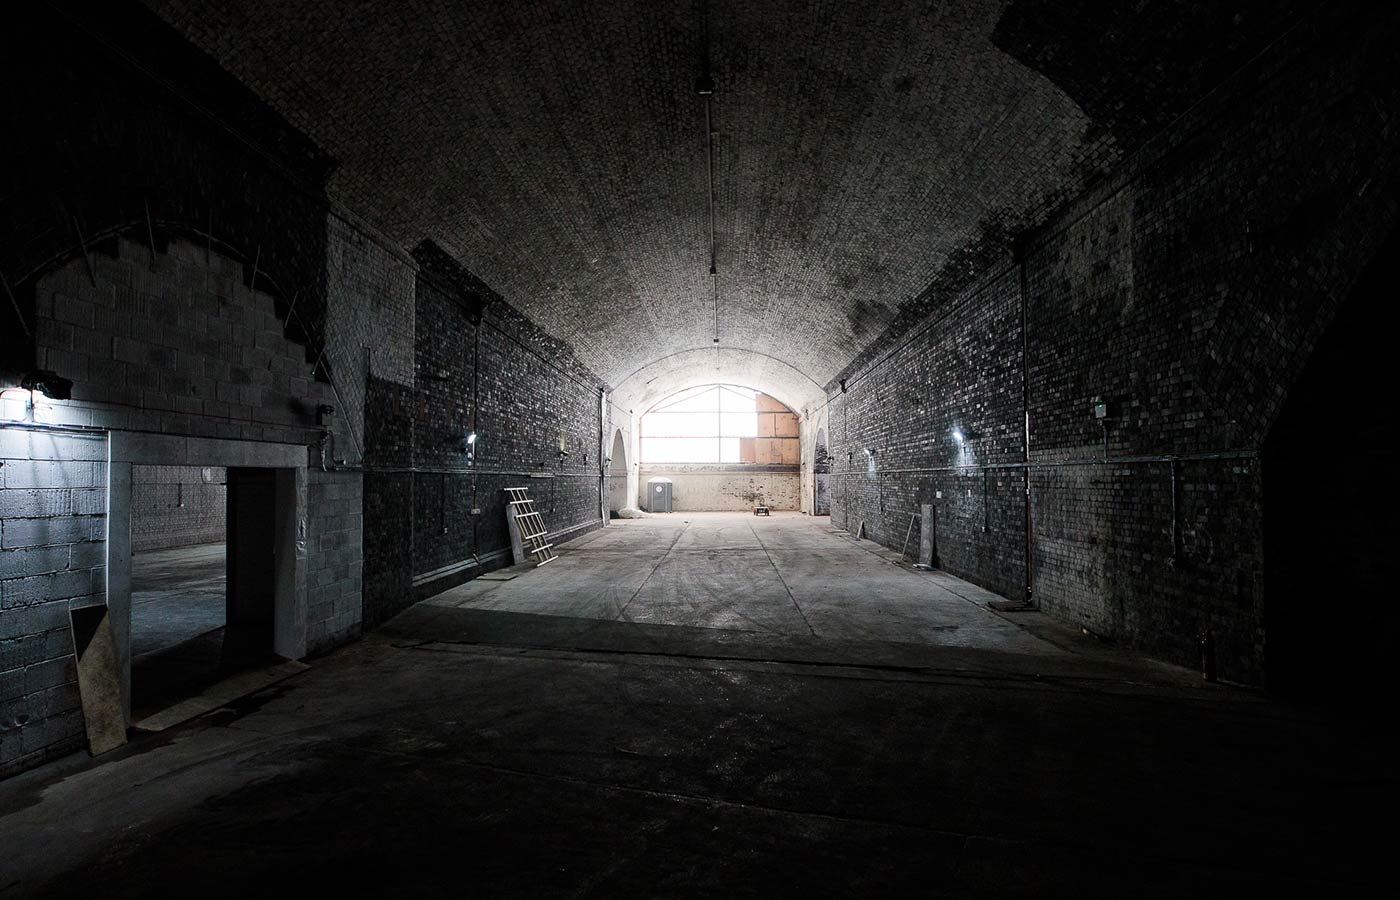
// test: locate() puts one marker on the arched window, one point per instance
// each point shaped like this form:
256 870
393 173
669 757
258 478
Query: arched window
719 423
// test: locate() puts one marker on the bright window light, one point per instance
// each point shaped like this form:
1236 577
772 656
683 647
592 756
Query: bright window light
700 425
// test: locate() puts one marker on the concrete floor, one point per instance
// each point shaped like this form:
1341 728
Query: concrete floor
658 715
176 595
178 611
778 575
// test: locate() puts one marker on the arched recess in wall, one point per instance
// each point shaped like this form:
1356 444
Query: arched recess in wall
617 474
723 447
821 476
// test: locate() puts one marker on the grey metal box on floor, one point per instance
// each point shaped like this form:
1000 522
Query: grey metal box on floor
658 495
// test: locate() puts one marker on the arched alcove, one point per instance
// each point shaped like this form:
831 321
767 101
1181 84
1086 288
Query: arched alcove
723 447
821 476
617 473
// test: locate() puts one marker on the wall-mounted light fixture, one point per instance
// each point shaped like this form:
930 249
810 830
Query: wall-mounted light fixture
957 435
1102 414
39 382
50 384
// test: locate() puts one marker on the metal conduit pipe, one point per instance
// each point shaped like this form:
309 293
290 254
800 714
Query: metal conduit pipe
705 87
1026 434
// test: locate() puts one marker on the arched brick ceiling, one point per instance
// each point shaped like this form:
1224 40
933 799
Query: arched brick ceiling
865 151
638 391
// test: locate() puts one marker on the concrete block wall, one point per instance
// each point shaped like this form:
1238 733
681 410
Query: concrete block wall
52 558
188 348
1186 293
177 506
182 348
725 487
334 558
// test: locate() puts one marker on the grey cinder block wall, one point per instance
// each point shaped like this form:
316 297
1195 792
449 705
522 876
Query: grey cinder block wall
177 506
53 543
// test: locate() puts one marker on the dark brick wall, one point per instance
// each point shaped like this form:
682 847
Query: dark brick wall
176 506
960 372
1186 293
388 500
444 365
1330 485
478 366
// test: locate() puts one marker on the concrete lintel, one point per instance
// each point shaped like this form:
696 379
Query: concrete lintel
145 448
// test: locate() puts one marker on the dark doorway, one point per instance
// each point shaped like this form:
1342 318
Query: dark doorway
202 578
252 574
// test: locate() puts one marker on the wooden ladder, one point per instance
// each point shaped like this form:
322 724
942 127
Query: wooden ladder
533 532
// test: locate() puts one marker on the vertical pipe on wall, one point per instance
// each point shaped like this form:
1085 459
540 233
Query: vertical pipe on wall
1176 520
705 88
846 438
471 460
986 500
603 450
1021 253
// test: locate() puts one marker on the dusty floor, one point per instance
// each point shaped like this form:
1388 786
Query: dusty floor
178 611
778 575
176 595
719 707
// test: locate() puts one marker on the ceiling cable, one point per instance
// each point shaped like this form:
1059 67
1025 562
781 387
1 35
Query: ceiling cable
705 87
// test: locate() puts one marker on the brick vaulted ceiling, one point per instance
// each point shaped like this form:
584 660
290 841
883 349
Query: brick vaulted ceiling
864 151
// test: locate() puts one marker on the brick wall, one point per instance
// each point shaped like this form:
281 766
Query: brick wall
52 558
1186 293
370 297
478 366
1329 521
177 506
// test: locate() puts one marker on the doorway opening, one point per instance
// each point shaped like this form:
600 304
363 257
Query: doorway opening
202 579
821 476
